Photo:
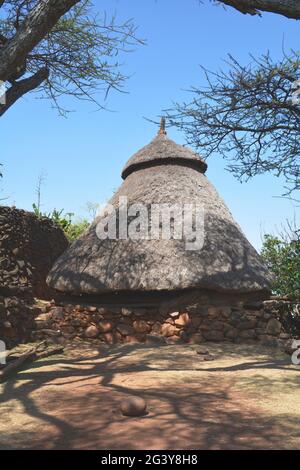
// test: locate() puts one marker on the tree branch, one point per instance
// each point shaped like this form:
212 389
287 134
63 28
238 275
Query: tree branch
22 87
288 8
250 115
38 23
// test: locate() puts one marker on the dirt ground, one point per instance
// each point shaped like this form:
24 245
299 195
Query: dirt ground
247 398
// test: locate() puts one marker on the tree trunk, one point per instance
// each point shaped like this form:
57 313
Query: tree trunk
30 356
34 28
21 87
288 8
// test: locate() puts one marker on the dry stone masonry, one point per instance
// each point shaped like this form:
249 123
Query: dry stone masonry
257 322
16 320
28 248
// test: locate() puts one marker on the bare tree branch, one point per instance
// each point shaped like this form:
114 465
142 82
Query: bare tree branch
18 89
38 23
250 115
288 8
80 47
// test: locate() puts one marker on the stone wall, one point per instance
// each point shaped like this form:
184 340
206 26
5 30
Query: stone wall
266 322
28 248
248 323
16 320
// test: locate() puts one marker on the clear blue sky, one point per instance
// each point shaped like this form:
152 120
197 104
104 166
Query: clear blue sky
82 156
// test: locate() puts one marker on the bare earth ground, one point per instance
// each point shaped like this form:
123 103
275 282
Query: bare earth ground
247 398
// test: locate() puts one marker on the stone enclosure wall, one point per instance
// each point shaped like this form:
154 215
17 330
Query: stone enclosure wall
29 245
264 322
259 322
16 320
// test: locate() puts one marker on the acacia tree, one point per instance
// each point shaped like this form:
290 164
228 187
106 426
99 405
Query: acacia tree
288 8
60 47
248 114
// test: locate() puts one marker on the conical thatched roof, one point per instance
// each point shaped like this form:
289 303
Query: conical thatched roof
162 150
164 173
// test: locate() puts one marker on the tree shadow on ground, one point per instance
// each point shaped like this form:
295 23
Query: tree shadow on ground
73 402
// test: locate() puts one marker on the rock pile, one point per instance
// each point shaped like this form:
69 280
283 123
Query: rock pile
28 248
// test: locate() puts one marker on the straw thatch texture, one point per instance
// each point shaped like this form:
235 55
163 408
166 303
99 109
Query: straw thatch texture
160 151
227 261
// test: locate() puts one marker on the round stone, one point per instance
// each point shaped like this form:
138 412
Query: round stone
92 332
203 351
133 406
208 357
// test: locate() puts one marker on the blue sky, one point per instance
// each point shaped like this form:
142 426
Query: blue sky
82 156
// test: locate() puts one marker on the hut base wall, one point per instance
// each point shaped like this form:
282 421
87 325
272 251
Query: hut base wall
263 321
259 321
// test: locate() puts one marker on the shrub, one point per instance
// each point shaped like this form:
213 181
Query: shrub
64 220
282 256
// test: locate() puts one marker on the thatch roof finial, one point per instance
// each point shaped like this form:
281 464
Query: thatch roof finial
162 129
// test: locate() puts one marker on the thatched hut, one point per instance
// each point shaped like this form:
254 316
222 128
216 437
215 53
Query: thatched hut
122 267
